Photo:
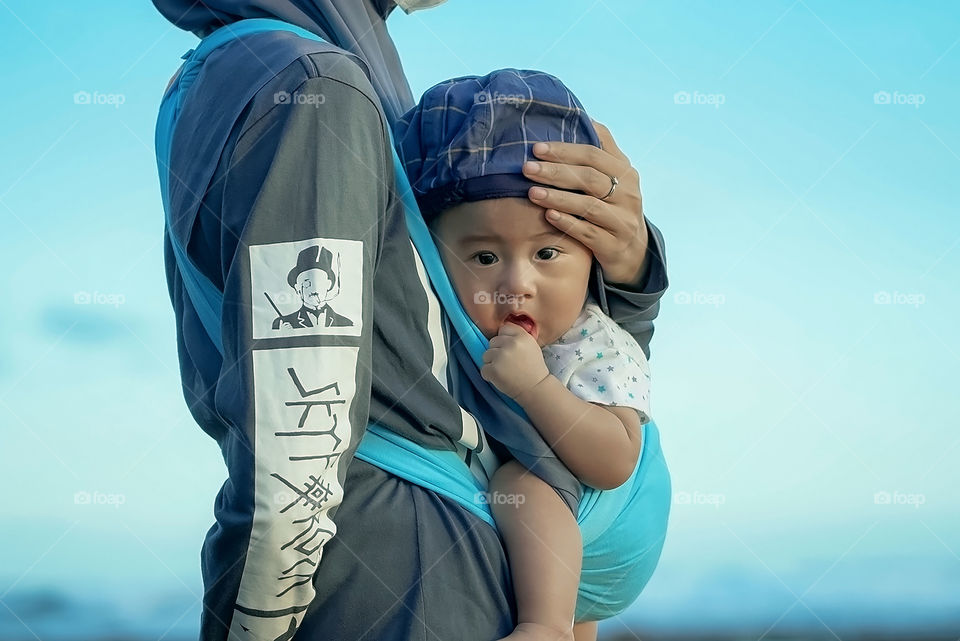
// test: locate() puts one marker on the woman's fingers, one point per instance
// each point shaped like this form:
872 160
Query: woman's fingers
569 153
596 239
563 176
592 210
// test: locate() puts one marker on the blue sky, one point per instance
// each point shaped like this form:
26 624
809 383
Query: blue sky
803 360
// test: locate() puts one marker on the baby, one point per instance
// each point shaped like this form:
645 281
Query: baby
581 379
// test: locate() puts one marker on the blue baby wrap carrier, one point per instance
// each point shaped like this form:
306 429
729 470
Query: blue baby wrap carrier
622 529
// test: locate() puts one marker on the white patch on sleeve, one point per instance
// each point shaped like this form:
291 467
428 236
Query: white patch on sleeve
305 287
302 405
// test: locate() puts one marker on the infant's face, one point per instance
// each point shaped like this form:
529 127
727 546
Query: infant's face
506 261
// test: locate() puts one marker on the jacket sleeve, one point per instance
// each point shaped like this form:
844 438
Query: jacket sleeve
634 309
304 191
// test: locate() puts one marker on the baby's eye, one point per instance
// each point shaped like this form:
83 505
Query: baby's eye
485 258
548 253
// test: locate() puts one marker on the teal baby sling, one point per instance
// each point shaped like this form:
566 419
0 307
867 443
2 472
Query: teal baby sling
442 471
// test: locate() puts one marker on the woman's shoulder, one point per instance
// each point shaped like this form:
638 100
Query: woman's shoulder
286 69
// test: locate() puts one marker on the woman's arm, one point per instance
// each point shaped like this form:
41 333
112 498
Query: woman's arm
635 306
599 444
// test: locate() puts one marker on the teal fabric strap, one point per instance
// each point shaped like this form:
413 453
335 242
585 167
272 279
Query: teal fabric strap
441 471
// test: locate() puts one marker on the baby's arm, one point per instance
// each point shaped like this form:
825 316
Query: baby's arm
599 444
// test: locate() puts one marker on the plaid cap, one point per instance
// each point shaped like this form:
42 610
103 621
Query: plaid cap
468 137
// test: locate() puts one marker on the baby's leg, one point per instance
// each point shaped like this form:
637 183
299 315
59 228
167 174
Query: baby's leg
544 550
585 631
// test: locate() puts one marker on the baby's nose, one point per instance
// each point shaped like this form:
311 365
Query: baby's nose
520 280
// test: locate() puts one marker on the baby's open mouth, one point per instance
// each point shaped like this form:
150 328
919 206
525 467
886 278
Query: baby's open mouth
523 320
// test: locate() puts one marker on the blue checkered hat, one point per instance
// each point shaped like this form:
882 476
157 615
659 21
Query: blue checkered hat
468 137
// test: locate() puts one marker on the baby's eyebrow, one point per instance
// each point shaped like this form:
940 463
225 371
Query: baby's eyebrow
476 238
552 232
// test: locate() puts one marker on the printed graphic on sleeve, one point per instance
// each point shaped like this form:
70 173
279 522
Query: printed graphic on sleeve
302 409
307 287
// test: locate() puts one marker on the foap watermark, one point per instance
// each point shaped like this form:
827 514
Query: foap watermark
98 98
914 299
500 98
898 98
700 498
98 298
496 298
284 498
286 299
298 98
697 98
83 497
699 298
500 498
899 498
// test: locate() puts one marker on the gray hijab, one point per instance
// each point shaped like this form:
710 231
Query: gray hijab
358 26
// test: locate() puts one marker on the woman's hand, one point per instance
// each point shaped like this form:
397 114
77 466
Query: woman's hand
614 229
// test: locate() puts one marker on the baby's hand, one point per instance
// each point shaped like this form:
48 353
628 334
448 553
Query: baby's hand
514 362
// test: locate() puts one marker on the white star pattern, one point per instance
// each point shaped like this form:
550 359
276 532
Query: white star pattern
622 378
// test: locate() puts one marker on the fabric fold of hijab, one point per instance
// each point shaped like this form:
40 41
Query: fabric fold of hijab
357 26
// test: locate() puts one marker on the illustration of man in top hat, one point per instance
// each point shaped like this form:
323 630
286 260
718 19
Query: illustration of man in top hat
313 279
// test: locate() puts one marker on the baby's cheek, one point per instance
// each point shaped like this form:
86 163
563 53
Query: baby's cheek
474 298
474 311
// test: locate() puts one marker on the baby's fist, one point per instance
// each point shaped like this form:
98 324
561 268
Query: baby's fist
514 363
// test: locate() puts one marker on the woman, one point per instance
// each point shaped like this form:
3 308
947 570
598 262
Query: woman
281 144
